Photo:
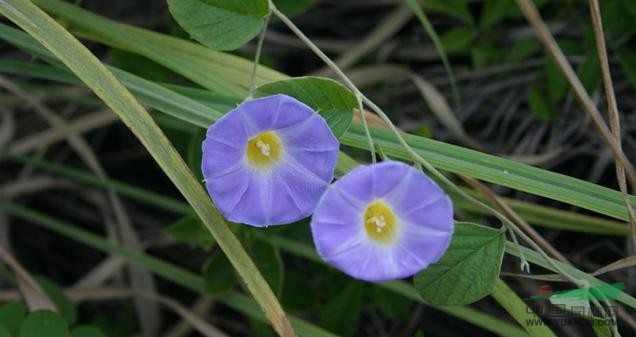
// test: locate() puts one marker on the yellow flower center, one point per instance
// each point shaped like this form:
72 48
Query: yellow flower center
264 149
379 222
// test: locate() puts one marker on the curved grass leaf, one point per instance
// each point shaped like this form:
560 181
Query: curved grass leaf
218 24
468 270
332 100
4 332
44 323
92 72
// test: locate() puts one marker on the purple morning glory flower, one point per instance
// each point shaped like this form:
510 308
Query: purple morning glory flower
268 161
382 222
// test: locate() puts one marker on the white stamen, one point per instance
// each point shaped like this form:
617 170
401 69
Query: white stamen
263 147
379 222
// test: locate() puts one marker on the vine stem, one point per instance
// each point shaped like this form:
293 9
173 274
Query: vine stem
366 128
257 58
514 229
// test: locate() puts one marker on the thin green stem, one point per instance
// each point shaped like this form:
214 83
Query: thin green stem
366 128
428 27
257 58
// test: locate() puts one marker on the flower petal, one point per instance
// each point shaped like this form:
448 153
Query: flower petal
310 135
220 158
228 190
430 215
289 186
229 130
422 231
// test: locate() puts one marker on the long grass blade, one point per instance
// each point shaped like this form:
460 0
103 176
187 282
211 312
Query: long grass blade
92 72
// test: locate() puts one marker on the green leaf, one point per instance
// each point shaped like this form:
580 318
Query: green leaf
139 65
11 317
557 85
457 39
393 307
298 295
627 59
589 71
192 231
106 86
522 50
468 270
120 323
194 153
539 104
455 8
220 24
218 275
259 329
495 10
44 323
630 6
268 260
65 307
430 31
341 314
87 331
4 332
330 99
293 7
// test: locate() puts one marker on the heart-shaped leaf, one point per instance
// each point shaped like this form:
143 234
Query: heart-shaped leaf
44 323
65 307
468 270
218 275
11 317
332 100
268 260
342 313
220 24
